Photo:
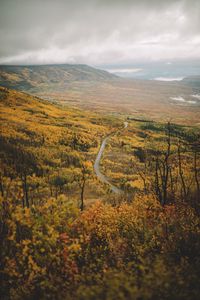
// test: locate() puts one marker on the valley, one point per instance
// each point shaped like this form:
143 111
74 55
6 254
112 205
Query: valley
96 90
99 178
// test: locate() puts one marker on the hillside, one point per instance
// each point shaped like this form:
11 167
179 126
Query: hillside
29 77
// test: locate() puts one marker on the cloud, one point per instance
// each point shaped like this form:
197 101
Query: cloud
98 31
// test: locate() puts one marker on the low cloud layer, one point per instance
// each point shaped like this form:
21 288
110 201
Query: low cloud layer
98 31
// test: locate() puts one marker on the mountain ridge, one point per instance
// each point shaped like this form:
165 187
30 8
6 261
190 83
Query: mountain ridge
26 77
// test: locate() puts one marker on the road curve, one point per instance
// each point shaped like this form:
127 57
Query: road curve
101 176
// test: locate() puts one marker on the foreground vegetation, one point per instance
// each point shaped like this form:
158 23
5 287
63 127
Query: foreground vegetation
57 244
136 251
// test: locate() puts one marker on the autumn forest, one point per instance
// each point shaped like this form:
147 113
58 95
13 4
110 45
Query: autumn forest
129 230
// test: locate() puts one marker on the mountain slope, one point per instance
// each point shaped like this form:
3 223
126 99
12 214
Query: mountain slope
28 77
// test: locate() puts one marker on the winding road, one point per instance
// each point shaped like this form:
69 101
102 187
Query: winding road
101 176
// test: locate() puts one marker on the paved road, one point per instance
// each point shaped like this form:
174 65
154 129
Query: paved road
101 176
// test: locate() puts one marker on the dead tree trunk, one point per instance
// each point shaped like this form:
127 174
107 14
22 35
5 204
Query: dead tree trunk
1 185
196 172
82 194
184 189
162 171
167 166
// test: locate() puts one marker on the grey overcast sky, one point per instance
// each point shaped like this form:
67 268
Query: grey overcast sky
98 31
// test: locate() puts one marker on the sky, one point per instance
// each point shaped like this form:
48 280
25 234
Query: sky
98 32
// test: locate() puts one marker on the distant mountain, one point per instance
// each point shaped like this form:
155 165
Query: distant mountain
193 81
174 70
42 76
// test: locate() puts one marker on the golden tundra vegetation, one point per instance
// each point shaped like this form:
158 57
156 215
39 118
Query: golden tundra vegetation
65 235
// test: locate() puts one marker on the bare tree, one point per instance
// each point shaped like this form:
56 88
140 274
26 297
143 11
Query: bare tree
181 174
162 169
83 177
